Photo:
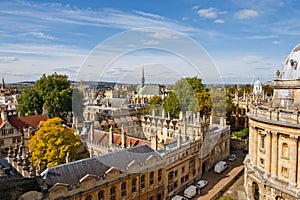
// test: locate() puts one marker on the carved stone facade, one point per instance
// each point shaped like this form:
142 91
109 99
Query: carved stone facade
272 166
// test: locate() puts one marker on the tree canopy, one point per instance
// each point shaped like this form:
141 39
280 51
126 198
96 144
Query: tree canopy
189 94
53 91
155 103
172 106
52 142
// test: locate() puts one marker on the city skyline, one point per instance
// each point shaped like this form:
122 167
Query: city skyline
245 40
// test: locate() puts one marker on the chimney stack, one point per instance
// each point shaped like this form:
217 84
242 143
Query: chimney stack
153 139
179 139
123 137
45 110
3 115
111 136
92 132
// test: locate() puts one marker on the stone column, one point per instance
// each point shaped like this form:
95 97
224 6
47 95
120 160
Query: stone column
298 171
252 144
274 155
293 159
268 148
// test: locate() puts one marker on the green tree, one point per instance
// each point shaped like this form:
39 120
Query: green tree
155 103
53 91
172 106
30 102
186 91
51 143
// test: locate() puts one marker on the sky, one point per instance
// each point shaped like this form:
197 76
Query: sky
112 40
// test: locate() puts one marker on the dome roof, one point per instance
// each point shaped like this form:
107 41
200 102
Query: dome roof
257 83
290 68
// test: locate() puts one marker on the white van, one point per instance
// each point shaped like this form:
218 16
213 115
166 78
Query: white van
190 191
178 197
220 167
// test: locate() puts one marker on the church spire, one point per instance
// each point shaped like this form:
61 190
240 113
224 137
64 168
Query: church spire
3 84
143 78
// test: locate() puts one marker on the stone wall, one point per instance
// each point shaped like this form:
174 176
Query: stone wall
238 144
12 187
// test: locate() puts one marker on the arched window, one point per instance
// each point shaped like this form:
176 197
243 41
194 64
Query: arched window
113 193
159 175
151 180
279 198
285 150
255 190
142 181
101 195
123 189
133 185
88 197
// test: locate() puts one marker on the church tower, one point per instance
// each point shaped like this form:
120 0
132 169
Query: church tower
143 78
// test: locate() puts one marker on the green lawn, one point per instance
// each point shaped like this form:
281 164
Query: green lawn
225 198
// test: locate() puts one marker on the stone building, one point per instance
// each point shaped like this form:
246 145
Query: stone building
12 128
138 172
134 173
145 92
272 167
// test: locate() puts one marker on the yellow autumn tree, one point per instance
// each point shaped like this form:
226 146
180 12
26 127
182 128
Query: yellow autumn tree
52 142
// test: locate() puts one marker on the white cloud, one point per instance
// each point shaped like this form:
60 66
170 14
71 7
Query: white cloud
196 7
42 35
210 13
219 21
277 42
8 59
46 15
163 35
246 14
222 12
150 42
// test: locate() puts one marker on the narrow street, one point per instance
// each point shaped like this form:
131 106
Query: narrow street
219 183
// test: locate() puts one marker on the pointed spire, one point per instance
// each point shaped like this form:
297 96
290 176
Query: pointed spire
3 84
143 78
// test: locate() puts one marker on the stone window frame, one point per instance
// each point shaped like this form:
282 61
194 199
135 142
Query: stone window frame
133 185
285 172
262 142
123 189
159 175
101 195
151 178
262 162
285 155
112 193
143 182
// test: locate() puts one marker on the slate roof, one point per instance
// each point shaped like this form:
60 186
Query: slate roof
71 173
151 89
115 102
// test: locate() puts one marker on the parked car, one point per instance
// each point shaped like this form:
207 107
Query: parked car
178 197
202 183
191 191
220 167
232 157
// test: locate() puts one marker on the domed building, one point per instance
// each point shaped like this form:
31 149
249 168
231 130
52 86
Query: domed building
257 87
272 167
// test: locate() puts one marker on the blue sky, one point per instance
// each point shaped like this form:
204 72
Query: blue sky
245 39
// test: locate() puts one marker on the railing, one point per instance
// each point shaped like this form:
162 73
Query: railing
287 117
